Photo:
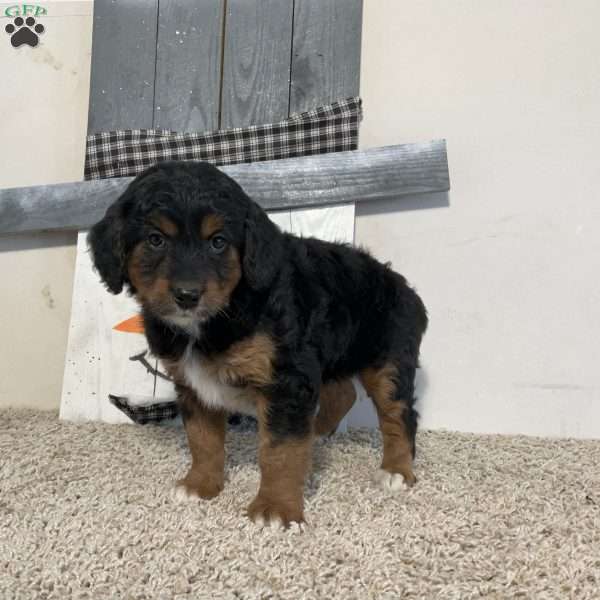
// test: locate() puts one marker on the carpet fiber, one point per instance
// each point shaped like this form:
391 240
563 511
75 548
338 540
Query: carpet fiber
86 512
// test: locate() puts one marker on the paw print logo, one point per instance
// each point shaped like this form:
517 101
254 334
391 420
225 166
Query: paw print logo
24 32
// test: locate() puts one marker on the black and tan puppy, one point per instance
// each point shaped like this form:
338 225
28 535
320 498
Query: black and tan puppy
249 319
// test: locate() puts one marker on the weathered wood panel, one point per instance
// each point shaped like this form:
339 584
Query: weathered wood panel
188 65
257 80
256 62
359 176
326 52
123 61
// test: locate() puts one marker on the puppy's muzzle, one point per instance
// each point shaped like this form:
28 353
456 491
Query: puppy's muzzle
186 298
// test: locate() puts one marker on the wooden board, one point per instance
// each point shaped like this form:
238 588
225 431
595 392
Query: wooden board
256 62
279 57
358 176
326 52
124 35
188 65
101 354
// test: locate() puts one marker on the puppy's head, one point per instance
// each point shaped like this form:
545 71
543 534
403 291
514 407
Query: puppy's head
181 238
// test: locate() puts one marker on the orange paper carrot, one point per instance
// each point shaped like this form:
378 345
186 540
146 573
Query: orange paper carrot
131 325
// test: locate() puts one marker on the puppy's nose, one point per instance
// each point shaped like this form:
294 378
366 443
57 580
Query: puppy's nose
186 297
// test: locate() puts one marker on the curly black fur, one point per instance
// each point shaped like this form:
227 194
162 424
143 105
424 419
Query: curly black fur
331 309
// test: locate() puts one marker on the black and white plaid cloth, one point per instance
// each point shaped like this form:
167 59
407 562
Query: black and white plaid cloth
142 414
331 128
146 413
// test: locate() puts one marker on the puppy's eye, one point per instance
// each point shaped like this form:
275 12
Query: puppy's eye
218 243
156 240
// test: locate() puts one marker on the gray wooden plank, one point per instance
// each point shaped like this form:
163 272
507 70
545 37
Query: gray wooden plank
188 65
326 52
123 61
256 62
358 176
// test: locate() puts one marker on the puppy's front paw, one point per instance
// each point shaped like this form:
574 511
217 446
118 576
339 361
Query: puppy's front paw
395 482
276 514
195 486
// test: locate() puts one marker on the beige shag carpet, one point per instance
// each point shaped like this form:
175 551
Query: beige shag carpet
86 512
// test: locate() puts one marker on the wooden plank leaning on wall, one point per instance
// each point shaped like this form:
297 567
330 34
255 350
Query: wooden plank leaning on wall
123 64
188 65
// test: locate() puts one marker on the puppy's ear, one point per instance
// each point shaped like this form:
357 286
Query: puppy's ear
105 240
263 252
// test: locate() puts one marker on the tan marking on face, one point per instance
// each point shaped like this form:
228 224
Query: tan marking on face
165 225
397 446
205 431
284 465
154 290
210 225
336 398
134 267
218 291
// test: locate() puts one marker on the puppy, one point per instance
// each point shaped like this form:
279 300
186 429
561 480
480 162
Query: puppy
248 319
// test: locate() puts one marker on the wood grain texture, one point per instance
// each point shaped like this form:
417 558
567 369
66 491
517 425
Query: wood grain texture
256 64
188 65
123 61
358 176
326 52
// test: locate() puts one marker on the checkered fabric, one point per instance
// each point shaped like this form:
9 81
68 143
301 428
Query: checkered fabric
147 413
331 128
168 410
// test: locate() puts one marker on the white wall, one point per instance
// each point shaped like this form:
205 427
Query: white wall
509 263
44 104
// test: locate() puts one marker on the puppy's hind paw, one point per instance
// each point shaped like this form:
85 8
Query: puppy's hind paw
394 483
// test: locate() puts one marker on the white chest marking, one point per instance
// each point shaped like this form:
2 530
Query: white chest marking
212 392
